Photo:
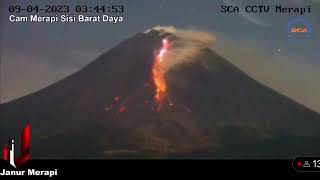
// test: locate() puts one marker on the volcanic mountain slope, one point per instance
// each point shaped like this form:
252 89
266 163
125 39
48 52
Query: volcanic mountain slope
106 111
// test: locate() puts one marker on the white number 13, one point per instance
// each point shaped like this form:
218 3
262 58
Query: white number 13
316 163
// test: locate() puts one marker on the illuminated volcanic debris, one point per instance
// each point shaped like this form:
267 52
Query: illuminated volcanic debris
158 76
159 84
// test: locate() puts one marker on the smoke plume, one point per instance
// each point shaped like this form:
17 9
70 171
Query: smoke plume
185 45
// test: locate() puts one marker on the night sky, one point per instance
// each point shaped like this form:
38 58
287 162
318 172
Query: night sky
34 56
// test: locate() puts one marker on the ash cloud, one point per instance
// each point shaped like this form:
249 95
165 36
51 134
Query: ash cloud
186 45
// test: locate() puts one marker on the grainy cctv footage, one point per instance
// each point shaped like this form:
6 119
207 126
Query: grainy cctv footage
106 79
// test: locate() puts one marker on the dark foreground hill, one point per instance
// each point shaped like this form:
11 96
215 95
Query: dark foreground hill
103 111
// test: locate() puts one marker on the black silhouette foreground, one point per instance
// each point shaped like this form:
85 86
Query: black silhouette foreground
104 111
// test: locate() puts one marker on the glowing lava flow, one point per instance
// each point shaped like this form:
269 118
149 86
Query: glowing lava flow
158 75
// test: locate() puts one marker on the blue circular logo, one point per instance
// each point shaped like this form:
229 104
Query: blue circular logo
299 28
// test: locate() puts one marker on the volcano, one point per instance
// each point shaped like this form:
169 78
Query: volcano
106 110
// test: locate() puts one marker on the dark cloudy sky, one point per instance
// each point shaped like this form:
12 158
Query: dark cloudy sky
36 55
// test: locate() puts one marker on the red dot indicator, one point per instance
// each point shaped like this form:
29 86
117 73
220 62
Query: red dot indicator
299 164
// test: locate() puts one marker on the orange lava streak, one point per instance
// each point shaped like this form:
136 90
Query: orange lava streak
158 75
